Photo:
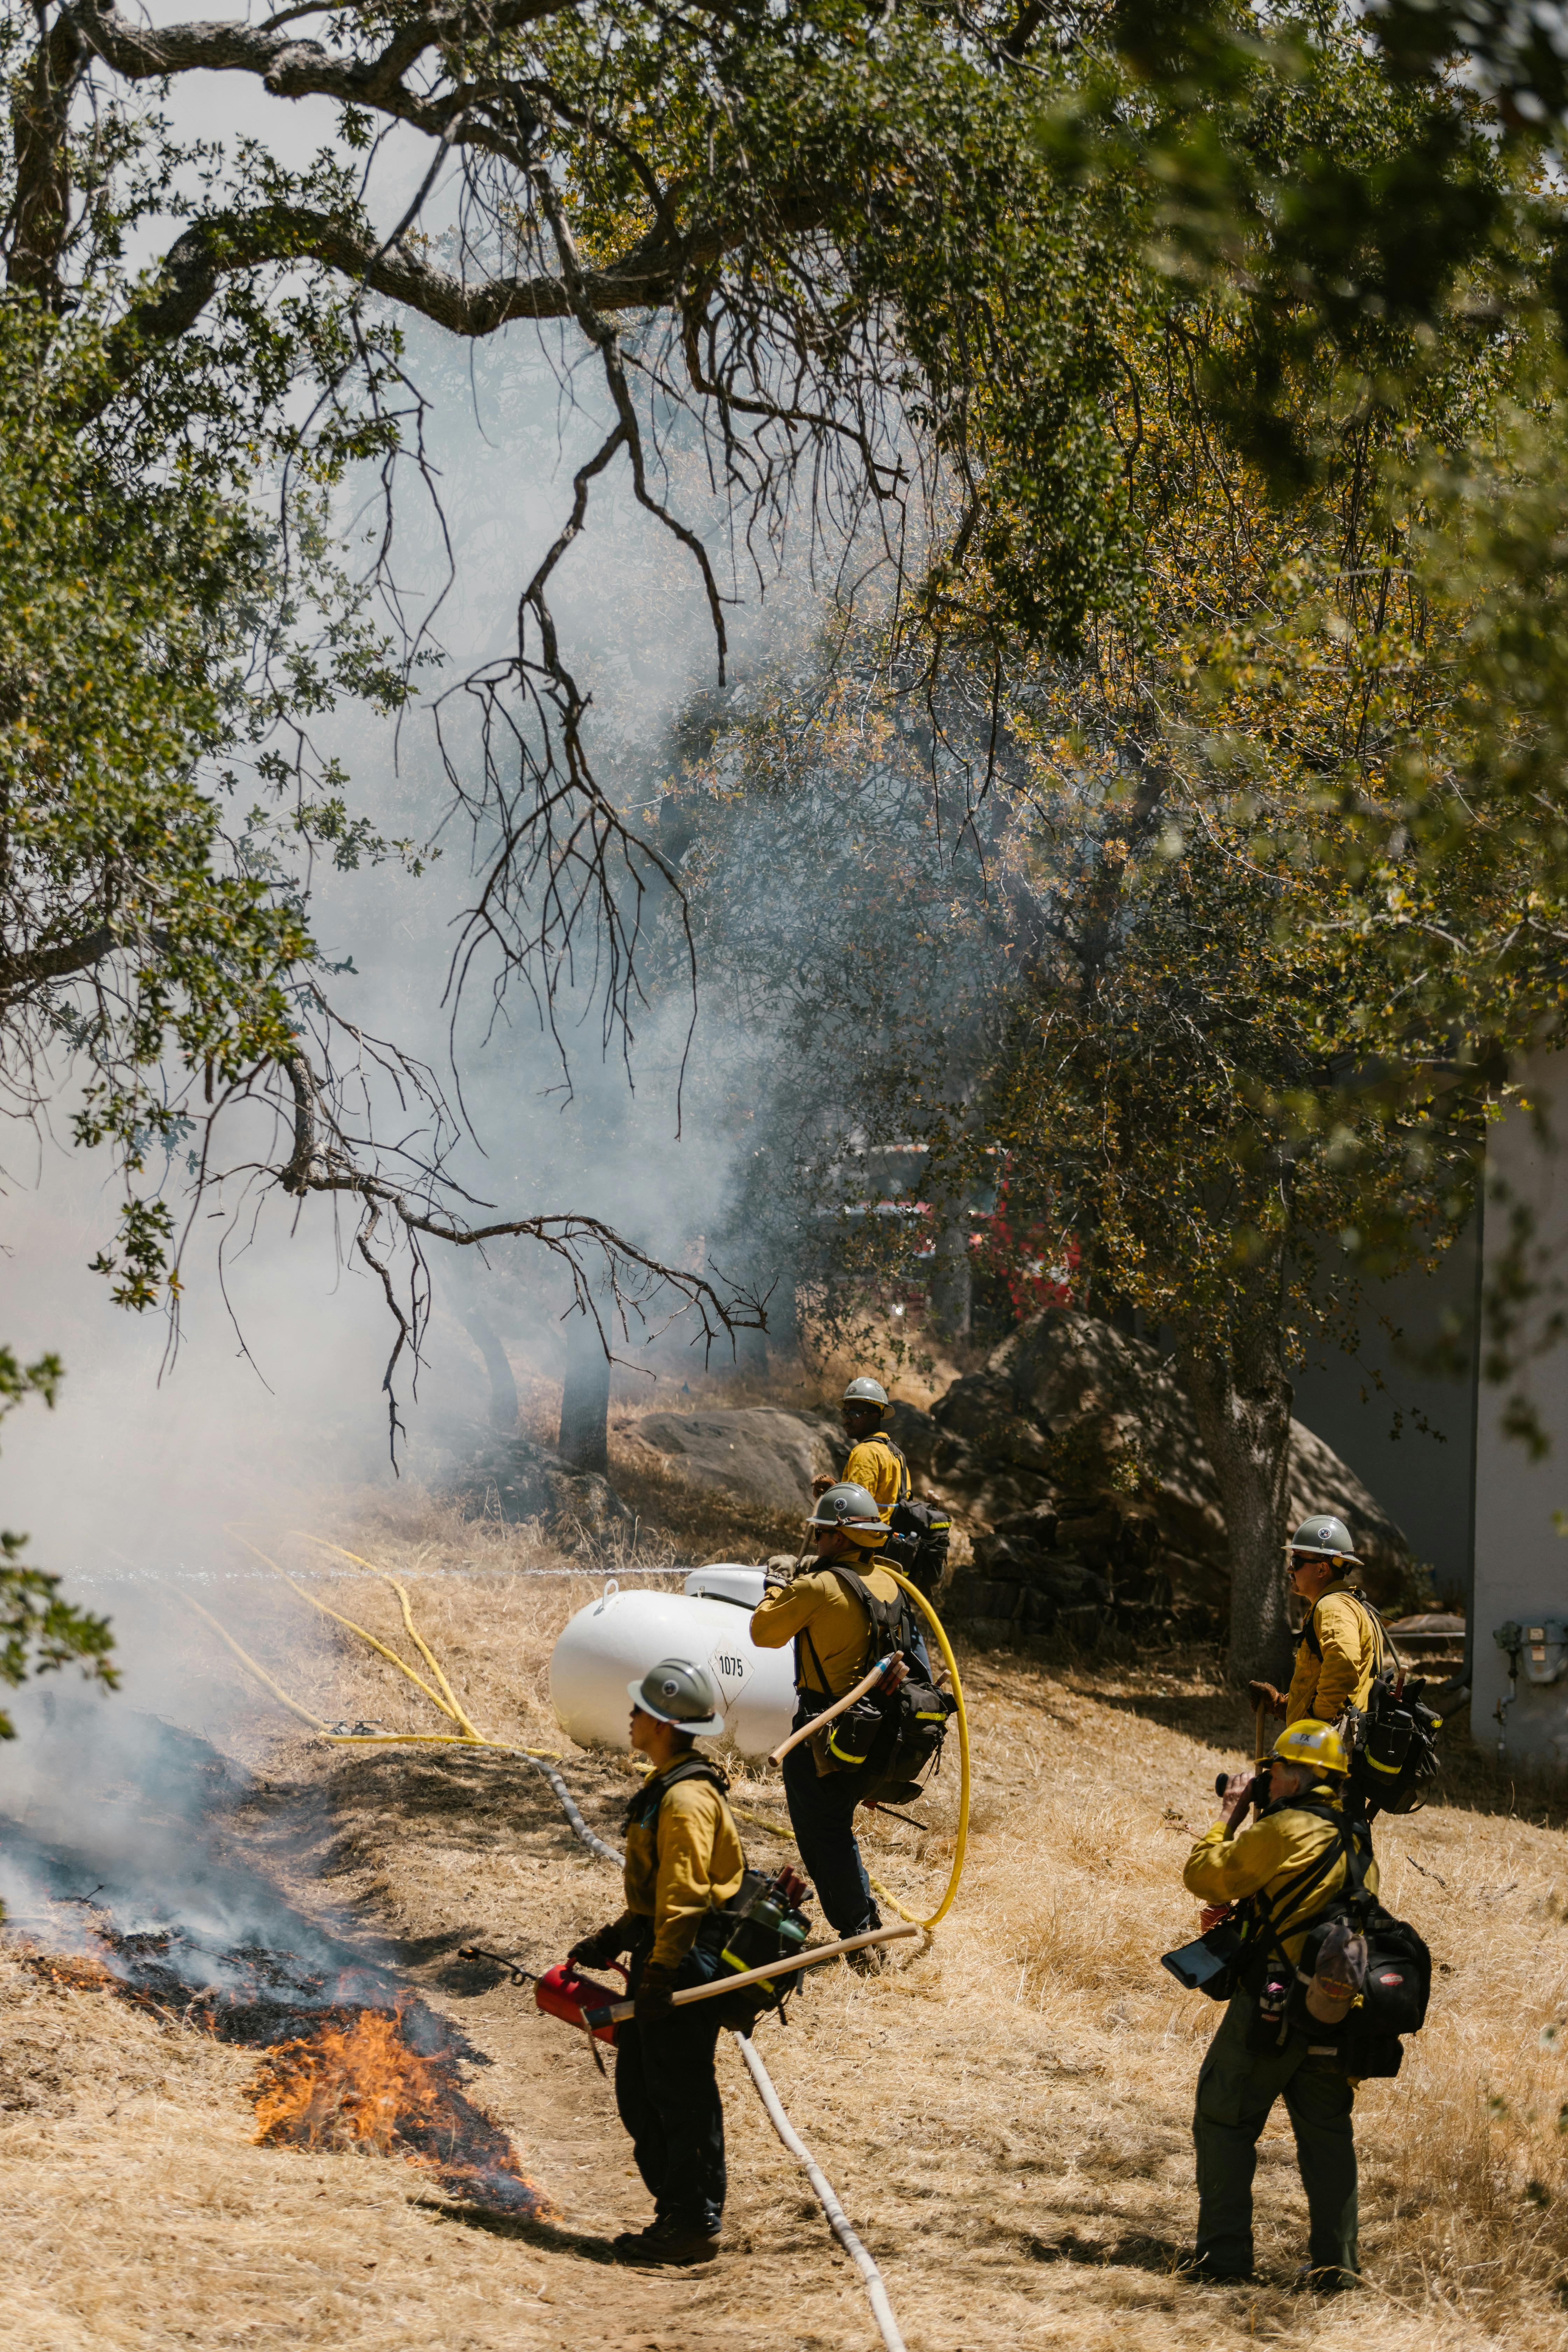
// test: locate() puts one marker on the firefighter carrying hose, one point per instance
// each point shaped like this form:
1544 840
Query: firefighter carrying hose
1342 1647
835 1643
683 1861
1282 1874
875 1461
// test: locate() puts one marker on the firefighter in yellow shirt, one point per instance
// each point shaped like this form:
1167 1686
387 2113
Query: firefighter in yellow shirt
683 1863
1343 1647
1290 1866
875 1461
835 1643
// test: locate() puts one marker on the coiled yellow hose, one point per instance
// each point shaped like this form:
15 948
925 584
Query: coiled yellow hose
962 1844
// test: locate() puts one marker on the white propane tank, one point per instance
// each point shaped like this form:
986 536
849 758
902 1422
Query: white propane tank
619 1636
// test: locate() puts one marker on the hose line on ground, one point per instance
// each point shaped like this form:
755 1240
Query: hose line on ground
544 1760
822 2187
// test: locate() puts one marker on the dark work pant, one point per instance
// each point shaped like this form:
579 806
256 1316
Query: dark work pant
667 2095
822 1815
1237 2090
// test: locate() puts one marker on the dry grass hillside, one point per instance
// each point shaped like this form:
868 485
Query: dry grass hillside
1005 2115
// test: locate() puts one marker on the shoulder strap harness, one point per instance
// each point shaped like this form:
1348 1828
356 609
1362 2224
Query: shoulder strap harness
890 1618
643 1810
1313 1641
906 1484
1348 1839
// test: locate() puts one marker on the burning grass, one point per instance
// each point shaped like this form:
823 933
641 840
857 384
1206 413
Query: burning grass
365 2084
349 2064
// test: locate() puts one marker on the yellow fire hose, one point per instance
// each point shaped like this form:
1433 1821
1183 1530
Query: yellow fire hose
961 1844
543 1759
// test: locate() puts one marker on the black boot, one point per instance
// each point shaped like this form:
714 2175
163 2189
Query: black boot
869 1960
673 2238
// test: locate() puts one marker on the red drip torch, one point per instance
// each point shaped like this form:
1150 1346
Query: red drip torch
566 1994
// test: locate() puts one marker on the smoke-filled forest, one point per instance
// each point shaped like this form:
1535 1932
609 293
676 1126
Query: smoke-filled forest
699 703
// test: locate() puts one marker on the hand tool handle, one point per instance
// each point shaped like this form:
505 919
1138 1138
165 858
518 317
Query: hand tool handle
867 1682
592 2017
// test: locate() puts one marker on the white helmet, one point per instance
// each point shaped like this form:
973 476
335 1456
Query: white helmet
1327 1538
854 1510
675 1691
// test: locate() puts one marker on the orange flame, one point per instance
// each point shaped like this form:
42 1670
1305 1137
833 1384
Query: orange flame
345 2087
361 2085
68 1972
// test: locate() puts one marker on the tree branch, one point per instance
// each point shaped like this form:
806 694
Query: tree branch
41 207
290 68
197 262
19 973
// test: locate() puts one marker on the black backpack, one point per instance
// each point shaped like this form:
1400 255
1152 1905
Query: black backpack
1398 1972
890 1738
1394 1754
1394 1742
918 1544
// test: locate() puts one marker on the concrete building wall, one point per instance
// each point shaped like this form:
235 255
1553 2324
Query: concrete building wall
1521 1561
1410 1440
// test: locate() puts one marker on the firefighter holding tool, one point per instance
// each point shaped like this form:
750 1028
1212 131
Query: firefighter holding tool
1342 1646
1274 1881
683 1863
842 1617
875 1461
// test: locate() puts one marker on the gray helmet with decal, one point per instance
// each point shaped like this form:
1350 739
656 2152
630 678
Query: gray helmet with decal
864 1391
854 1510
1325 1537
676 1691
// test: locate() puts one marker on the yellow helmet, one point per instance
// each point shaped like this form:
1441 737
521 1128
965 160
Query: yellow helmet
1316 1744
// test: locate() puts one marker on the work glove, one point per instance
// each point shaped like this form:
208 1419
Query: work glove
819 1487
1265 1695
655 1987
598 1950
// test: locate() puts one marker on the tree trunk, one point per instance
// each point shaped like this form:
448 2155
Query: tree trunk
586 1398
503 1388
952 1280
1241 1401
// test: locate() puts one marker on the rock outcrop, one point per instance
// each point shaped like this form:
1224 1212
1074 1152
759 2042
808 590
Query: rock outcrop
513 1479
1074 1461
758 1453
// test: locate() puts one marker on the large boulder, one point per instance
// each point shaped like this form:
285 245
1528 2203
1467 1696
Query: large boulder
513 1479
757 1453
1074 1461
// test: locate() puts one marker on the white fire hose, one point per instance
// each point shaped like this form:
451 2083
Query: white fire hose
881 2308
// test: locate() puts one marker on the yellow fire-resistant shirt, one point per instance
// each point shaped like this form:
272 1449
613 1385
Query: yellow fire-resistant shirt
1323 1687
877 1464
836 1625
686 1863
1266 1857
